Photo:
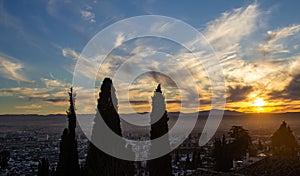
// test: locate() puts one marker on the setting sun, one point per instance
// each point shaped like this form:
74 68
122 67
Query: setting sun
259 102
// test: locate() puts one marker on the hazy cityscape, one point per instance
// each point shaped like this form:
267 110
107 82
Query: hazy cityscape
27 144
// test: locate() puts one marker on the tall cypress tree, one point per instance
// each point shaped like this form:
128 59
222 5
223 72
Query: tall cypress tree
68 164
222 155
159 126
99 163
43 168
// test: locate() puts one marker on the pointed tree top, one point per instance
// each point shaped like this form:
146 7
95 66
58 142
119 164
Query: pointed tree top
70 92
106 85
158 89
283 124
107 79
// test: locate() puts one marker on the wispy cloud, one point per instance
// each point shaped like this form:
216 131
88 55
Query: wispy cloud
27 93
282 33
54 6
88 16
119 40
86 67
54 96
70 52
229 29
11 68
32 106
9 20
54 83
276 42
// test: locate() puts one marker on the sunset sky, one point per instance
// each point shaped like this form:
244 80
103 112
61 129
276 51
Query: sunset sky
257 44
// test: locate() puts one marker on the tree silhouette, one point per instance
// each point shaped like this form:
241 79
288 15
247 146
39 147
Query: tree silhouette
159 126
99 163
284 142
177 158
196 160
68 164
260 145
240 143
226 150
222 155
43 168
4 157
188 163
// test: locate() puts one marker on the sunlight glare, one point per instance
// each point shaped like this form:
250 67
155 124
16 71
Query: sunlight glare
259 102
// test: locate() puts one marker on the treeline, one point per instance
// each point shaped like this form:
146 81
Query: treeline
237 145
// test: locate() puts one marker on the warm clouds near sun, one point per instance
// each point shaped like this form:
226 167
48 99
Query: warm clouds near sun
260 62
262 73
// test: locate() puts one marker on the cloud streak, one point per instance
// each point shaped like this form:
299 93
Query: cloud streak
12 69
53 83
32 106
276 41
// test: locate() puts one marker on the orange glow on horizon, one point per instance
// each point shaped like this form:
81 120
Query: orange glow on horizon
258 105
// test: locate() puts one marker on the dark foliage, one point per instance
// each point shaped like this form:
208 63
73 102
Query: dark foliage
236 147
188 163
99 163
4 157
284 143
196 160
222 155
43 168
159 126
241 142
68 164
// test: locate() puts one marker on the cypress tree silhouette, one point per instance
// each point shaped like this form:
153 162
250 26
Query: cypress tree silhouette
43 168
177 158
99 163
68 164
4 157
222 155
284 143
196 160
188 163
160 166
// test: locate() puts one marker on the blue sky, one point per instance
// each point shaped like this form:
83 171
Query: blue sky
40 40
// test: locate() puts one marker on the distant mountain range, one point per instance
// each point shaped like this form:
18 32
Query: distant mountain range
200 113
